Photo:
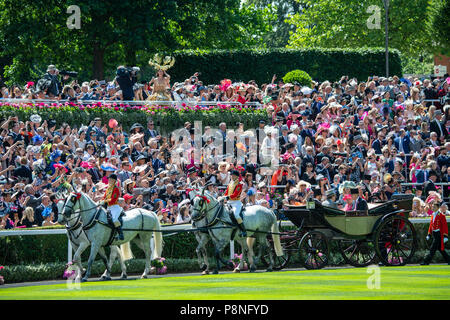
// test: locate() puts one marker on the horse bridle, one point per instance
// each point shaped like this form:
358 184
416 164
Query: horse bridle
202 210
73 204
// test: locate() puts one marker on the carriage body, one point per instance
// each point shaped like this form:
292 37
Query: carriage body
382 232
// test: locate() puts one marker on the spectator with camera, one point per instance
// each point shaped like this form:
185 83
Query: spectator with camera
126 78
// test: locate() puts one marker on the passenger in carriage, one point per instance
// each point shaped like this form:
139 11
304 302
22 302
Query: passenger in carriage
348 202
331 199
360 204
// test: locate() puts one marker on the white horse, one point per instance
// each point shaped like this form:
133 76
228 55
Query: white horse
80 242
138 225
258 220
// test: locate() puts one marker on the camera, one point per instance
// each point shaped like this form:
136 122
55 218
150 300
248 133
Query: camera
127 72
72 74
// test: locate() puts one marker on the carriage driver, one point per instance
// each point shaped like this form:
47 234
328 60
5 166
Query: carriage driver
111 199
233 195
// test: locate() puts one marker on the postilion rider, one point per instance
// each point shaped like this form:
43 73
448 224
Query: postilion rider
111 199
233 195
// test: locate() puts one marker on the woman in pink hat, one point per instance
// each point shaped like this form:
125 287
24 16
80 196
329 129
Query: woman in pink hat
348 202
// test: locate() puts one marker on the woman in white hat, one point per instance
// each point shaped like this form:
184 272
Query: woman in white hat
269 145
224 176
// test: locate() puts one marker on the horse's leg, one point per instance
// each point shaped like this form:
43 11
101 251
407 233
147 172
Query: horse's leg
77 258
201 252
107 274
115 252
95 246
145 238
220 245
205 254
250 243
264 244
198 250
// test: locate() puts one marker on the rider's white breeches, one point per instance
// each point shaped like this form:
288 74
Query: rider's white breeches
115 211
237 206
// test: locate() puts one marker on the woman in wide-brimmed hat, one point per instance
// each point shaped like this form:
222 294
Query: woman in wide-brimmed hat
223 176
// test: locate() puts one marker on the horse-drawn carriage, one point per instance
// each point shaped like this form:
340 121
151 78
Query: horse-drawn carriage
383 232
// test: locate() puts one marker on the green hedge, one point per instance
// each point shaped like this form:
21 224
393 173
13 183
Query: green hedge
24 250
260 64
54 271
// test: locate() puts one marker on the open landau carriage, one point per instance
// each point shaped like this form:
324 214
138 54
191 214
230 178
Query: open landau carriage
383 232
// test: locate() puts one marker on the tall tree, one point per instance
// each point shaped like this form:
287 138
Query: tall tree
356 23
438 25
283 10
113 32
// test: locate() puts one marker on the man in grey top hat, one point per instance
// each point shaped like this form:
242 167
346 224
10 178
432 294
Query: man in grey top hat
331 199
437 126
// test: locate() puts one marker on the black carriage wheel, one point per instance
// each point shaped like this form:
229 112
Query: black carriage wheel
358 253
282 261
314 250
279 262
395 241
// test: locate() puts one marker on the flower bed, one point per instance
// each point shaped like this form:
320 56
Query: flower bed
168 118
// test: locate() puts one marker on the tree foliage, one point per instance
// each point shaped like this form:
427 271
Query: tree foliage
438 25
278 35
115 32
344 23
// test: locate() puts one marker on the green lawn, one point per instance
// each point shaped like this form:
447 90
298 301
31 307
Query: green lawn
410 282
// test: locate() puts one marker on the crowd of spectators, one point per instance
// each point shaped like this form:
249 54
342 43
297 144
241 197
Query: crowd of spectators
326 139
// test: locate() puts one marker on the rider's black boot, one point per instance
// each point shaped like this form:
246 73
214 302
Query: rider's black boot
243 230
120 233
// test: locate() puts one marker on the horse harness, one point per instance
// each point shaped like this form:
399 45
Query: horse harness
71 230
217 218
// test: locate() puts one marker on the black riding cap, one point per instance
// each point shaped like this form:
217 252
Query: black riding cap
235 173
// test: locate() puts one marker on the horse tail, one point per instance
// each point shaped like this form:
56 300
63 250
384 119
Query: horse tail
276 239
157 250
125 251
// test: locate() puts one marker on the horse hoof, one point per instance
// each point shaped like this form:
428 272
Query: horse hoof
269 270
205 272
236 270
105 278
123 277
204 267
252 269
144 276
84 279
215 272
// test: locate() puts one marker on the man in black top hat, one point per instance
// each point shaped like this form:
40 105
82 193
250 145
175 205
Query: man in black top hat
430 183
365 186
331 199
359 203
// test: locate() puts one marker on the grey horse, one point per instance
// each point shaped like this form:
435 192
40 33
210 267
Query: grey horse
138 226
258 220
80 242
